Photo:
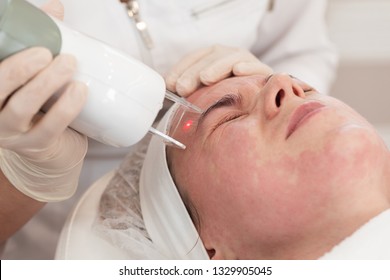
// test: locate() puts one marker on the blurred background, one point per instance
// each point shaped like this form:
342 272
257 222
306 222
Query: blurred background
360 29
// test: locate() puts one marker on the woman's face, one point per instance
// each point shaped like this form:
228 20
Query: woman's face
268 161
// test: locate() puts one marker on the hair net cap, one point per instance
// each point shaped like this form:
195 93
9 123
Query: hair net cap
165 216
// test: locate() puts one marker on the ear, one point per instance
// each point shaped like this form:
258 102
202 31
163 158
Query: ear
216 248
215 254
54 8
214 251
211 253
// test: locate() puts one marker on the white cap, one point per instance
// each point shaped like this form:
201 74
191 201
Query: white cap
164 213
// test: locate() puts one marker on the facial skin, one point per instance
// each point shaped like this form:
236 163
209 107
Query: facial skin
283 173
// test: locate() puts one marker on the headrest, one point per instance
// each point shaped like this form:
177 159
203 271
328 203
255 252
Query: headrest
165 216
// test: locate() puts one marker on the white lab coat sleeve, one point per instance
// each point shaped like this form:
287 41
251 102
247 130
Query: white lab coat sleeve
293 38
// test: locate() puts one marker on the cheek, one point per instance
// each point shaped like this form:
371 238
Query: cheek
242 179
254 182
232 181
233 156
219 175
349 155
309 185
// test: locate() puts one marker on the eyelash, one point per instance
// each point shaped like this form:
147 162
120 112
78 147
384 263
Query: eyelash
308 92
226 120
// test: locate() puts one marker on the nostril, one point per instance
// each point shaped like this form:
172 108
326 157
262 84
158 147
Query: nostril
297 92
278 98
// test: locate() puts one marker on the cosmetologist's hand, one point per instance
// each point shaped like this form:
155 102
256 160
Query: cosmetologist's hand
210 65
39 154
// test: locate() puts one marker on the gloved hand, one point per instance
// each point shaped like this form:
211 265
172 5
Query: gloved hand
54 8
210 65
39 154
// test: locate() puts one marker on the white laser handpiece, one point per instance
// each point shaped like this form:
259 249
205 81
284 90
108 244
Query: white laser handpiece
125 95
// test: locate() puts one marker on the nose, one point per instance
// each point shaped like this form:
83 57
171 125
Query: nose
279 88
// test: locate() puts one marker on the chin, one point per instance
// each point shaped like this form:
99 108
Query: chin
354 149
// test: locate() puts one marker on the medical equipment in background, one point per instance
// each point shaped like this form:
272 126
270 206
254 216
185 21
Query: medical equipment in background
125 95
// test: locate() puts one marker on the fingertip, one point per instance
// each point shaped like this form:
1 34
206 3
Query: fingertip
216 71
207 78
73 99
185 86
42 52
242 69
182 90
170 81
38 56
18 69
67 62
80 90
250 68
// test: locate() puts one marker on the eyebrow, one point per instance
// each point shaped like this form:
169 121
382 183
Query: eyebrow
228 100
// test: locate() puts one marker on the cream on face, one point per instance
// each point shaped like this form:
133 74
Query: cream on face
266 160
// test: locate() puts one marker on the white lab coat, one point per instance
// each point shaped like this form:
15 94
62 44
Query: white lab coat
291 38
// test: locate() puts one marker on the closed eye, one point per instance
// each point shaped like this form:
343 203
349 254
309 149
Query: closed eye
309 91
227 119
229 100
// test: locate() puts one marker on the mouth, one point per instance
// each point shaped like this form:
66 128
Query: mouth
301 115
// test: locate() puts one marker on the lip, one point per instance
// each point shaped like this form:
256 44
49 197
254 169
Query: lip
301 115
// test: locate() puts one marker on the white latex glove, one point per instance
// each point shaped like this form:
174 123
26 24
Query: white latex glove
39 154
210 65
